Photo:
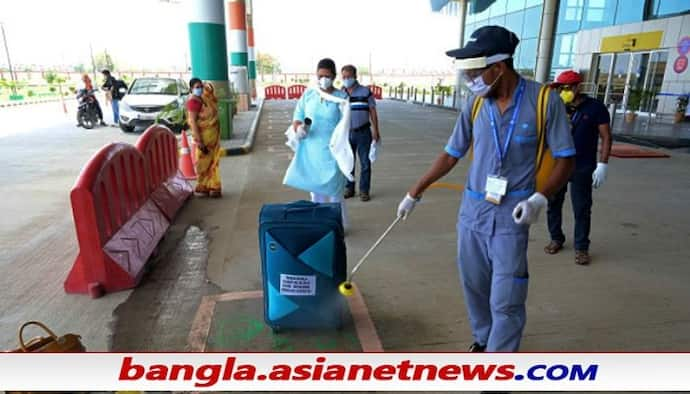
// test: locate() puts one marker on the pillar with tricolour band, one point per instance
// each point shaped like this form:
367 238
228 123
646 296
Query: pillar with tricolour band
251 72
235 12
206 28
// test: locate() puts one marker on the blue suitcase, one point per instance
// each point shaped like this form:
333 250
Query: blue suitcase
303 260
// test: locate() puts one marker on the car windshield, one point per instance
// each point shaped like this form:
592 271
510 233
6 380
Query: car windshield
154 86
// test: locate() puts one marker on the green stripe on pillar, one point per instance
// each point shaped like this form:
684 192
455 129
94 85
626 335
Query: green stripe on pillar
207 51
238 59
252 69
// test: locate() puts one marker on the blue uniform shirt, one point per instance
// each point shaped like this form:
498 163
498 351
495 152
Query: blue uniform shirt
361 100
519 165
586 119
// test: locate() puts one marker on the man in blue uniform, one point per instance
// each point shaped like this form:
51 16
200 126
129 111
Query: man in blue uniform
362 130
590 121
501 200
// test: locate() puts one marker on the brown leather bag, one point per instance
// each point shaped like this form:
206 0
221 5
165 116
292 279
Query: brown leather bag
68 343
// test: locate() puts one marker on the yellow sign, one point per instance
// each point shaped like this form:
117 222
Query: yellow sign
632 42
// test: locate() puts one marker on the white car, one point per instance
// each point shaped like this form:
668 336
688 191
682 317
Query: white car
148 97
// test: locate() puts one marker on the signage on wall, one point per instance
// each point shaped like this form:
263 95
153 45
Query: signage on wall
632 42
684 45
681 62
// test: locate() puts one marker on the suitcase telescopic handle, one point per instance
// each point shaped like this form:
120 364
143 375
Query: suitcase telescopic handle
299 206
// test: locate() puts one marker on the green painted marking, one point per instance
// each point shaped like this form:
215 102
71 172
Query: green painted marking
281 344
252 70
239 58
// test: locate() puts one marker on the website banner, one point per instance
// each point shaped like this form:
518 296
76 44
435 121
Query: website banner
345 371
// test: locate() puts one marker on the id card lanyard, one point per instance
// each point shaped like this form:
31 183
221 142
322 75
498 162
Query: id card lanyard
501 154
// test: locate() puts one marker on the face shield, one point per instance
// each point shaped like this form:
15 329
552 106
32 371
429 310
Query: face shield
472 69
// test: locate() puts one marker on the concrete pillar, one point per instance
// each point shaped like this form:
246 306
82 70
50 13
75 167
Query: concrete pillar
209 58
236 15
458 79
251 72
546 39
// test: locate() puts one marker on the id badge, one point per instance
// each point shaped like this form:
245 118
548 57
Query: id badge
496 187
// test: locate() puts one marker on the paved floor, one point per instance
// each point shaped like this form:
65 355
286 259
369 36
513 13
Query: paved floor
633 297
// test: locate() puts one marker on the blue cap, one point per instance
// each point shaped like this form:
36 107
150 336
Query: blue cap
487 41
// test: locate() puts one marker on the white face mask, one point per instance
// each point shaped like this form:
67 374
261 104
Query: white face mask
325 83
478 87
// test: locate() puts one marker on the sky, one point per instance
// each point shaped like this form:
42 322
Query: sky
152 34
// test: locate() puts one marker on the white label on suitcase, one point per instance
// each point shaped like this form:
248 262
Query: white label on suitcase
297 285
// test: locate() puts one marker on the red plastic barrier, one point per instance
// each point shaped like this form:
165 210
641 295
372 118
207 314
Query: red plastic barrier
274 92
377 91
164 182
118 227
296 91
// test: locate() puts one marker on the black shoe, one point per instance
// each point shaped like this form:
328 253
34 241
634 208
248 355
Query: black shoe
364 196
103 123
476 348
349 193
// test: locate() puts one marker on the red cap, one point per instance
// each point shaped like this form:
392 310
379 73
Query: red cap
568 77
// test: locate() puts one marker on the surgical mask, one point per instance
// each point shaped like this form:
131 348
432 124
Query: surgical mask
325 82
349 82
479 88
198 91
567 96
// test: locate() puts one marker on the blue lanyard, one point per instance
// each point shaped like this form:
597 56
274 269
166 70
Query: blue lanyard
511 126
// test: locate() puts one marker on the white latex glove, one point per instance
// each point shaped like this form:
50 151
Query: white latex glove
406 206
301 132
527 211
599 175
374 151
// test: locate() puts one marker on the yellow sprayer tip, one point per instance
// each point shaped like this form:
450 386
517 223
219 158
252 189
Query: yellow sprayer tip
346 289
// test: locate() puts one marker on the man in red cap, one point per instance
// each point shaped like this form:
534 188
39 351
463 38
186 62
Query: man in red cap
590 121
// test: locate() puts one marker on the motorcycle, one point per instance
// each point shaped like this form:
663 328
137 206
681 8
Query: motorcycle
87 113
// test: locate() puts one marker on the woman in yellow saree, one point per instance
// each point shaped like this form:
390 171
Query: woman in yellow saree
202 117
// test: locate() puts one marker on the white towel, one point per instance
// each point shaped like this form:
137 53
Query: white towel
340 139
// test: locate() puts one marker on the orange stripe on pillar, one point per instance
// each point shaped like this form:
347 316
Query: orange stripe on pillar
250 36
237 15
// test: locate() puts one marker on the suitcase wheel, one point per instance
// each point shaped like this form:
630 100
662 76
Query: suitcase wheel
276 329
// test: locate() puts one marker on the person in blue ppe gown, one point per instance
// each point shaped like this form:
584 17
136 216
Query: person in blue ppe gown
500 201
315 165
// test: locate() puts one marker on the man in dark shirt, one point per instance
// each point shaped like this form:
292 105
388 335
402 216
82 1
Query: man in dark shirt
590 121
117 90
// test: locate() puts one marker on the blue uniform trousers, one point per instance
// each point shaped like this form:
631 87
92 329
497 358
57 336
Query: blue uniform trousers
494 277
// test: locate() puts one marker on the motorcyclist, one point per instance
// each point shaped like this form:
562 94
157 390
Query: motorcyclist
87 88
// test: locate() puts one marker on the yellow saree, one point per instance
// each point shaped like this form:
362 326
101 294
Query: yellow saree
207 162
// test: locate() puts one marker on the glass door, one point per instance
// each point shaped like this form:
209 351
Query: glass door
619 80
602 74
654 79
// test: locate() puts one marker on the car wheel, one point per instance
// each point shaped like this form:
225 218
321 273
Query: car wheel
126 129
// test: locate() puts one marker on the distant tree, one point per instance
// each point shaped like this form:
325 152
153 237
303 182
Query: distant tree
103 61
79 68
267 64
52 78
